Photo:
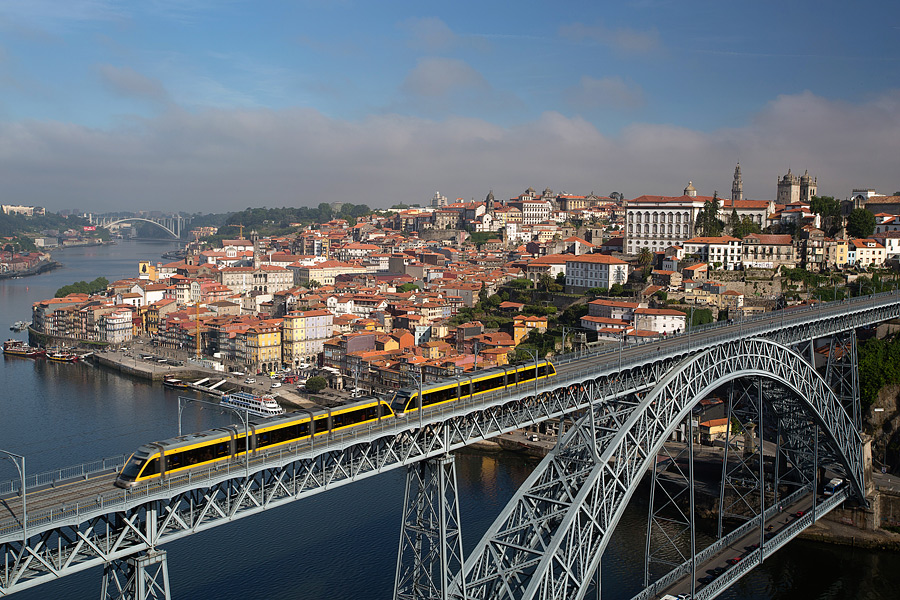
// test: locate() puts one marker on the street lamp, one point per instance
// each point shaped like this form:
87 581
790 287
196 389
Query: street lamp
19 461
243 415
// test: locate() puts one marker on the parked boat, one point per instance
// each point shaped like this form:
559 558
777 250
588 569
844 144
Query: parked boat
19 348
19 326
59 356
261 406
177 384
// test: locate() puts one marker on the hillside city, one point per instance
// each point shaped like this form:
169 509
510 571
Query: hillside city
392 297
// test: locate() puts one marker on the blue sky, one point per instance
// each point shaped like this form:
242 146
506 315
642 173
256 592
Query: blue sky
215 105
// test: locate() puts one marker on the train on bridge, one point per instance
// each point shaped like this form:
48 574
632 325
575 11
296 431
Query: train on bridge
156 460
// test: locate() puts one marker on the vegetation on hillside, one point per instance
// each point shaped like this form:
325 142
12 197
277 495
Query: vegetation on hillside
83 287
279 221
879 365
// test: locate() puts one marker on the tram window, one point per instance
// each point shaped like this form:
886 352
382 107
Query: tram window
152 468
222 449
526 374
465 389
173 461
487 384
321 425
133 467
240 444
542 370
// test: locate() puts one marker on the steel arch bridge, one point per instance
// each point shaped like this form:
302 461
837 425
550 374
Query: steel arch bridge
615 408
549 540
174 227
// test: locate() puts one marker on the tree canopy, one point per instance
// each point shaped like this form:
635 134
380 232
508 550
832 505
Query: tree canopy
860 223
83 287
708 223
744 227
316 384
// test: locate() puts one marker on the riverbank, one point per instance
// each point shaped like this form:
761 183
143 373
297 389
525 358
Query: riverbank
42 267
129 364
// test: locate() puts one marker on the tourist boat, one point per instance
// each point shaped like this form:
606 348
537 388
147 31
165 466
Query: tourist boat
177 384
19 348
19 326
262 406
59 356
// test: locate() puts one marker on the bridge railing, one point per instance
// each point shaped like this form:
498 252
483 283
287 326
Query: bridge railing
750 559
51 478
216 472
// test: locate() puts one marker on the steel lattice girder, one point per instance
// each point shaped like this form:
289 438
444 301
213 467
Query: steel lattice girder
165 514
549 539
431 551
69 539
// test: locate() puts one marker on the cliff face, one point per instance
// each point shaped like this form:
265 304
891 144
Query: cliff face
884 426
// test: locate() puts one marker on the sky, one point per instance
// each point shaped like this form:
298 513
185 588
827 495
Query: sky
219 105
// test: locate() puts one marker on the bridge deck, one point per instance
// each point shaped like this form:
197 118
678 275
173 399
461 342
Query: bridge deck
92 492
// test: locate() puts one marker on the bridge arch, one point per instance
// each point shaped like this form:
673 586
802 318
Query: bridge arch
132 219
548 541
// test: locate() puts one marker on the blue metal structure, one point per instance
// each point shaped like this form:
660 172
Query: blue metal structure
617 409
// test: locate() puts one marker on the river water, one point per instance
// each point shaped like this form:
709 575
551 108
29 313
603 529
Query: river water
336 545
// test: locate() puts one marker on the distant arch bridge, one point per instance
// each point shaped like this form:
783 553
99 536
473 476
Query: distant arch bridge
173 225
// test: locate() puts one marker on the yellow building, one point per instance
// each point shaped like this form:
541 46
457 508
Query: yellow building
293 342
522 326
264 345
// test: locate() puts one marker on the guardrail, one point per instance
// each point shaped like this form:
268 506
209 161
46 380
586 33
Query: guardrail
202 476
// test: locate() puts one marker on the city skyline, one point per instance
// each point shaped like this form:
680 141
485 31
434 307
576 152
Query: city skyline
219 106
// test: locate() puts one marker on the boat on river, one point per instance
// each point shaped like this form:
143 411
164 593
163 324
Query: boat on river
261 406
178 384
19 348
19 326
60 356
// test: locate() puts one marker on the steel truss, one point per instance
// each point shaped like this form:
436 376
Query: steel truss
431 552
141 577
115 525
548 540
100 528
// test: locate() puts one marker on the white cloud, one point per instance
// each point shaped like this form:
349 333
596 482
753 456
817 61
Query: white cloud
435 77
227 159
607 92
128 82
430 34
623 39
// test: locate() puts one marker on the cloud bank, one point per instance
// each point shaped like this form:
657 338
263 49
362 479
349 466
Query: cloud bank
228 159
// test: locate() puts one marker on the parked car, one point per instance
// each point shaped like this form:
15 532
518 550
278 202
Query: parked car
238 373
250 380
276 384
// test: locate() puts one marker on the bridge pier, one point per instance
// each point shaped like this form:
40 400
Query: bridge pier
141 577
430 553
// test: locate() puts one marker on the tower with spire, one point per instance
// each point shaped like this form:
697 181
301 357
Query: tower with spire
737 188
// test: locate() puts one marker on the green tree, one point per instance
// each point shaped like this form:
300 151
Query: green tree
734 221
860 223
645 256
316 384
708 223
313 284
745 228
83 287
407 287
825 206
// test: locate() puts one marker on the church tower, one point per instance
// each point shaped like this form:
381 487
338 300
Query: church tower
737 188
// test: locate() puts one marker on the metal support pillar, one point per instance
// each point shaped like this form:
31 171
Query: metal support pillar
141 577
430 555
670 525
761 479
842 374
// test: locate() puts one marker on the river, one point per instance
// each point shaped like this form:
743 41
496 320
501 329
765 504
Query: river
336 545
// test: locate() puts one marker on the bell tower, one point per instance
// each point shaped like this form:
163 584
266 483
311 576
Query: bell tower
737 188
